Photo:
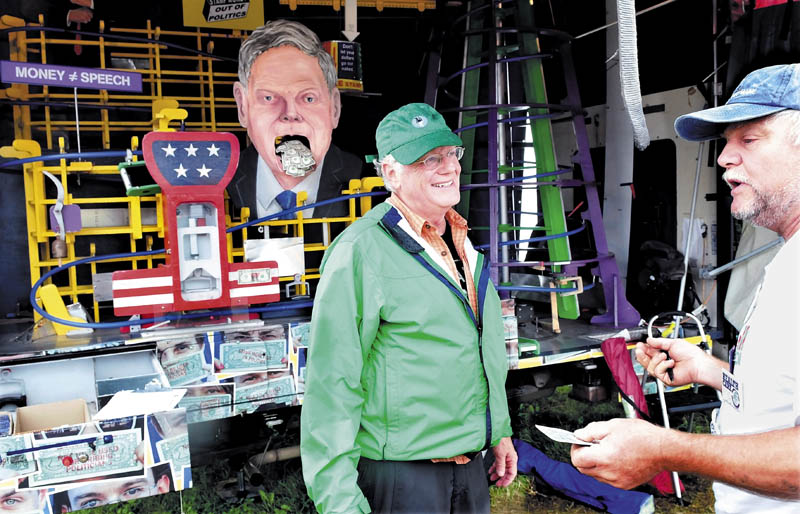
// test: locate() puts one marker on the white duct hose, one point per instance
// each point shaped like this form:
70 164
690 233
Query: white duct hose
629 71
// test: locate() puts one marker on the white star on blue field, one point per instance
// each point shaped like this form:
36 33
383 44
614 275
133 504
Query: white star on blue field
192 163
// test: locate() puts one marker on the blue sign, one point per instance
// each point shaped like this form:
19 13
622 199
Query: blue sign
69 76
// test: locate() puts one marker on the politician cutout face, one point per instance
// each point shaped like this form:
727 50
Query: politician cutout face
288 100
284 95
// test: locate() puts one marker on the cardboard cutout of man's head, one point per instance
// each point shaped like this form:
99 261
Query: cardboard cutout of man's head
287 97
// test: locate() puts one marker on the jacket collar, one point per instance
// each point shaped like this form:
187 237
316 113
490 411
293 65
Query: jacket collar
390 222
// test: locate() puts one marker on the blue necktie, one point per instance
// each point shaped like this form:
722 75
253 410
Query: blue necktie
287 200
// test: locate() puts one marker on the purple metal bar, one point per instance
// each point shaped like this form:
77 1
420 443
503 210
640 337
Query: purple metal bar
560 183
492 150
574 262
609 271
561 108
484 64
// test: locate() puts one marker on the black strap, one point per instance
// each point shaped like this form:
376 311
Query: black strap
448 239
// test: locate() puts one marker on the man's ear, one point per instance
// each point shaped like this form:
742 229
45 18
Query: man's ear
389 173
240 94
336 106
162 486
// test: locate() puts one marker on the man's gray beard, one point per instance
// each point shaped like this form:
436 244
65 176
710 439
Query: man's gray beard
768 212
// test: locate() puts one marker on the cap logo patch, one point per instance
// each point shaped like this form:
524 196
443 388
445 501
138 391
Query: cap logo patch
419 121
741 92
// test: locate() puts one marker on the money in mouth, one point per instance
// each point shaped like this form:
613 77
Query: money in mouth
295 154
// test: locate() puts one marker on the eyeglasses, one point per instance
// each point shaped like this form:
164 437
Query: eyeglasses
432 162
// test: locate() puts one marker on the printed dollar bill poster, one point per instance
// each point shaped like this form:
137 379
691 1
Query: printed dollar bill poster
259 349
16 465
206 402
185 360
299 334
169 442
253 356
298 362
175 450
156 479
263 391
108 454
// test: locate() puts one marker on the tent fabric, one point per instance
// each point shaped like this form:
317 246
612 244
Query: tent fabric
618 357
570 482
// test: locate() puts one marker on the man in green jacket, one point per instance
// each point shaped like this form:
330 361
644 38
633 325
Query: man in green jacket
405 382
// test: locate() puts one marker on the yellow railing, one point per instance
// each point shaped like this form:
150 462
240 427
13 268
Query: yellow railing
121 224
176 66
180 86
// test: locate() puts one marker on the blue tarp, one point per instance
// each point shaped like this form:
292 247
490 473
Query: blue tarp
567 480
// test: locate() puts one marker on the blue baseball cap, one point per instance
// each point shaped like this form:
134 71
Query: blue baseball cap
762 92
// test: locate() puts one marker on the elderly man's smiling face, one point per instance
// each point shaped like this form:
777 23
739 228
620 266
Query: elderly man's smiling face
428 192
287 95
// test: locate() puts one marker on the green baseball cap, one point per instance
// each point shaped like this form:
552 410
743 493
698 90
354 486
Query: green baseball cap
412 131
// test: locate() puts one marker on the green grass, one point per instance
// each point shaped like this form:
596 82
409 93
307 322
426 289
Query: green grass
284 492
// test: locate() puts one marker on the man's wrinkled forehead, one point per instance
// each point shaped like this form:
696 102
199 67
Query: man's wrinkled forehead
759 124
286 65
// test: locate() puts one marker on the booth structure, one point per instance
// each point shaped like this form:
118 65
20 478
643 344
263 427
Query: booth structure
158 305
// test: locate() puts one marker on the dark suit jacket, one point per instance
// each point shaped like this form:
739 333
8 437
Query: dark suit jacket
338 169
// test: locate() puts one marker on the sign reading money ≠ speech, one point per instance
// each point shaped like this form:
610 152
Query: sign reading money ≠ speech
69 76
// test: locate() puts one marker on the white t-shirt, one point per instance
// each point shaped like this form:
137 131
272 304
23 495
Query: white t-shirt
767 365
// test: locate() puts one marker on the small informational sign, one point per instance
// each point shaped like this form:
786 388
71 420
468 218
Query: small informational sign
223 14
347 58
221 10
69 76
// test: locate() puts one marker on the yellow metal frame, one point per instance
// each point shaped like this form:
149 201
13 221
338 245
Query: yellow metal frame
163 82
140 236
197 96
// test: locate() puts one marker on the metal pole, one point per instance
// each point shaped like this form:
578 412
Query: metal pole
687 247
501 97
77 120
491 117
725 267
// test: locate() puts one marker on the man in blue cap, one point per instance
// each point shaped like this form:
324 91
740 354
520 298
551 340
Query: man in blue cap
754 454
405 382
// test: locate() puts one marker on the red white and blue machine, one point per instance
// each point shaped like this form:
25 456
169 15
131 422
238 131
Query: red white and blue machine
193 169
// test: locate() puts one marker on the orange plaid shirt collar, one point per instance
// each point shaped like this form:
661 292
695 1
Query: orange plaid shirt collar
427 231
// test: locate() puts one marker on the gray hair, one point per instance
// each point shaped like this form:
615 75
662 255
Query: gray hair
793 117
284 33
390 161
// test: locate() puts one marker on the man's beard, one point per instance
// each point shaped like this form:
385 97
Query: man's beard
769 210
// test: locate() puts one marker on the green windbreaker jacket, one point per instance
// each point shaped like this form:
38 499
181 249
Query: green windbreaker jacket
399 368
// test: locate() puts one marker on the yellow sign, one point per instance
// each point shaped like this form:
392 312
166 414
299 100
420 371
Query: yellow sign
224 14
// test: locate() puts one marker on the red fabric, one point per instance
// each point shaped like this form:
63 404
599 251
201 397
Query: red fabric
618 358
760 4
